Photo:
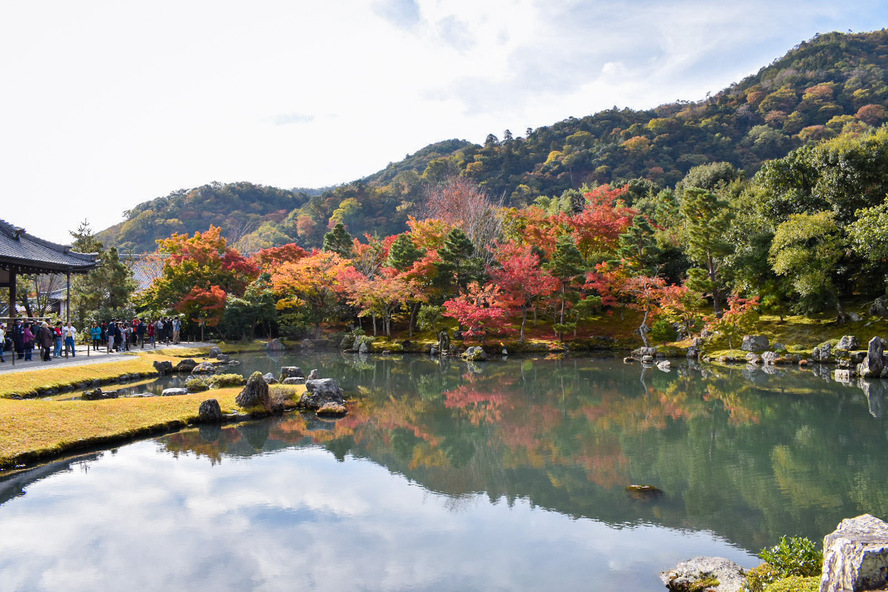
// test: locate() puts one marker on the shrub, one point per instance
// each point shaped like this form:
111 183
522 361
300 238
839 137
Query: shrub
794 556
224 380
663 331
196 384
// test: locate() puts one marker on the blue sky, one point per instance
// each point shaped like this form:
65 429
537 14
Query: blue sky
107 104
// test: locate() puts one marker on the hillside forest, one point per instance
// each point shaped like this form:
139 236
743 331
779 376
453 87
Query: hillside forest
767 197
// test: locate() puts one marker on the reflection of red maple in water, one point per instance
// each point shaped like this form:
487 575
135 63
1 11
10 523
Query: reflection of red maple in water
481 407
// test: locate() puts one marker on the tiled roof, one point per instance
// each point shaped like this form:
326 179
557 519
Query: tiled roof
29 254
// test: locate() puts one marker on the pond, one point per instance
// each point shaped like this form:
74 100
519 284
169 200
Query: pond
505 475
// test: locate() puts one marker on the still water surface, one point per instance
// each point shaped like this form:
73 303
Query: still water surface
508 475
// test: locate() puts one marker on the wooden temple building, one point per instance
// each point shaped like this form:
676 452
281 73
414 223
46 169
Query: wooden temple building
22 253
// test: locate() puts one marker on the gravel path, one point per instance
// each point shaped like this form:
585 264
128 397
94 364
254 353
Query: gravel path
81 358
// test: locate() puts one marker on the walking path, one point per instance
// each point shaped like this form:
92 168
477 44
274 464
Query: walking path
81 358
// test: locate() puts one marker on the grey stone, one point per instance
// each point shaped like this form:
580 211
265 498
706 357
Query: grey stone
853 317
641 352
163 367
174 392
98 394
879 308
755 343
769 357
474 354
363 348
255 393
778 347
683 576
186 365
215 352
855 555
291 371
269 378
275 345
224 358
204 368
753 358
841 375
874 362
210 411
647 359
664 365
322 391
294 380
848 342
313 375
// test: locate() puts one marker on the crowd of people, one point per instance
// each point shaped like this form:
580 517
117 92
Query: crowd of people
55 341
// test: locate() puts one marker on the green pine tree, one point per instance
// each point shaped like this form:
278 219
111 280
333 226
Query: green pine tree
339 241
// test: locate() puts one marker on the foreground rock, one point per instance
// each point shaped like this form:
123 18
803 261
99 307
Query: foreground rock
474 354
855 555
163 367
186 366
210 412
320 392
874 362
291 372
98 394
755 343
703 573
255 393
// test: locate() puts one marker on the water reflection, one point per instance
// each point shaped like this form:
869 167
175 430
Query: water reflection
509 475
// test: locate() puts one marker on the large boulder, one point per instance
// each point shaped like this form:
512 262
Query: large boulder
204 368
848 342
174 392
770 357
320 392
874 362
291 372
693 574
255 393
186 365
641 352
210 411
879 308
275 345
163 367
755 343
215 352
474 354
855 555
98 394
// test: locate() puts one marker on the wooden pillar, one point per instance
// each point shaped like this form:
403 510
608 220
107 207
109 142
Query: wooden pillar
12 275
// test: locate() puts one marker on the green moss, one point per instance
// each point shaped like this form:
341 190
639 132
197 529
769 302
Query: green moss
795 584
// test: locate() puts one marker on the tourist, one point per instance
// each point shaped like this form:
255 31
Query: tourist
96 333
119 336
44 338
177 327
2 341
125 330
57 340
69 333
28 341
140 333
111 334
151 333
18 339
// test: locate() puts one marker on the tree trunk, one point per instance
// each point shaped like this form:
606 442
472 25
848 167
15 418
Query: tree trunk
523 323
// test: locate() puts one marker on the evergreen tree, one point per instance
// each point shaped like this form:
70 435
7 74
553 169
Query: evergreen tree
108 287
339 241
638 247
566 264
403 253
706 222
459 266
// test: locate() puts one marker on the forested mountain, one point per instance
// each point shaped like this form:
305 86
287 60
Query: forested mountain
833 84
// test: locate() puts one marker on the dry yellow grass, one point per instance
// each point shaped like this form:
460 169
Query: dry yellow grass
32 429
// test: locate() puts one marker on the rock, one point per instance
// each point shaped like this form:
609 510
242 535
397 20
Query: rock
98 394
879 308
752 358
664 365
313 375
204 368
647 359
755 343
628 360
186 365
332 410
275 345
294 380
163 367
874 362
255 393
848 342
641 352
474 354
174 392
363 348
855 555
224 358
693 351
874 390
778 347
210 411
215 352
770 357
433 351
691 575
291 371
269 378
322 391
853 317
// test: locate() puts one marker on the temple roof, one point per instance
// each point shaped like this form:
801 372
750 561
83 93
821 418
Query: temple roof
24 253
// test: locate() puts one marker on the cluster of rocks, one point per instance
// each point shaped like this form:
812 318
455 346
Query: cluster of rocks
651 356
855 557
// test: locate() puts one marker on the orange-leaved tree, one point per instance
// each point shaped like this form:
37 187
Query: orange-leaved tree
309 286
